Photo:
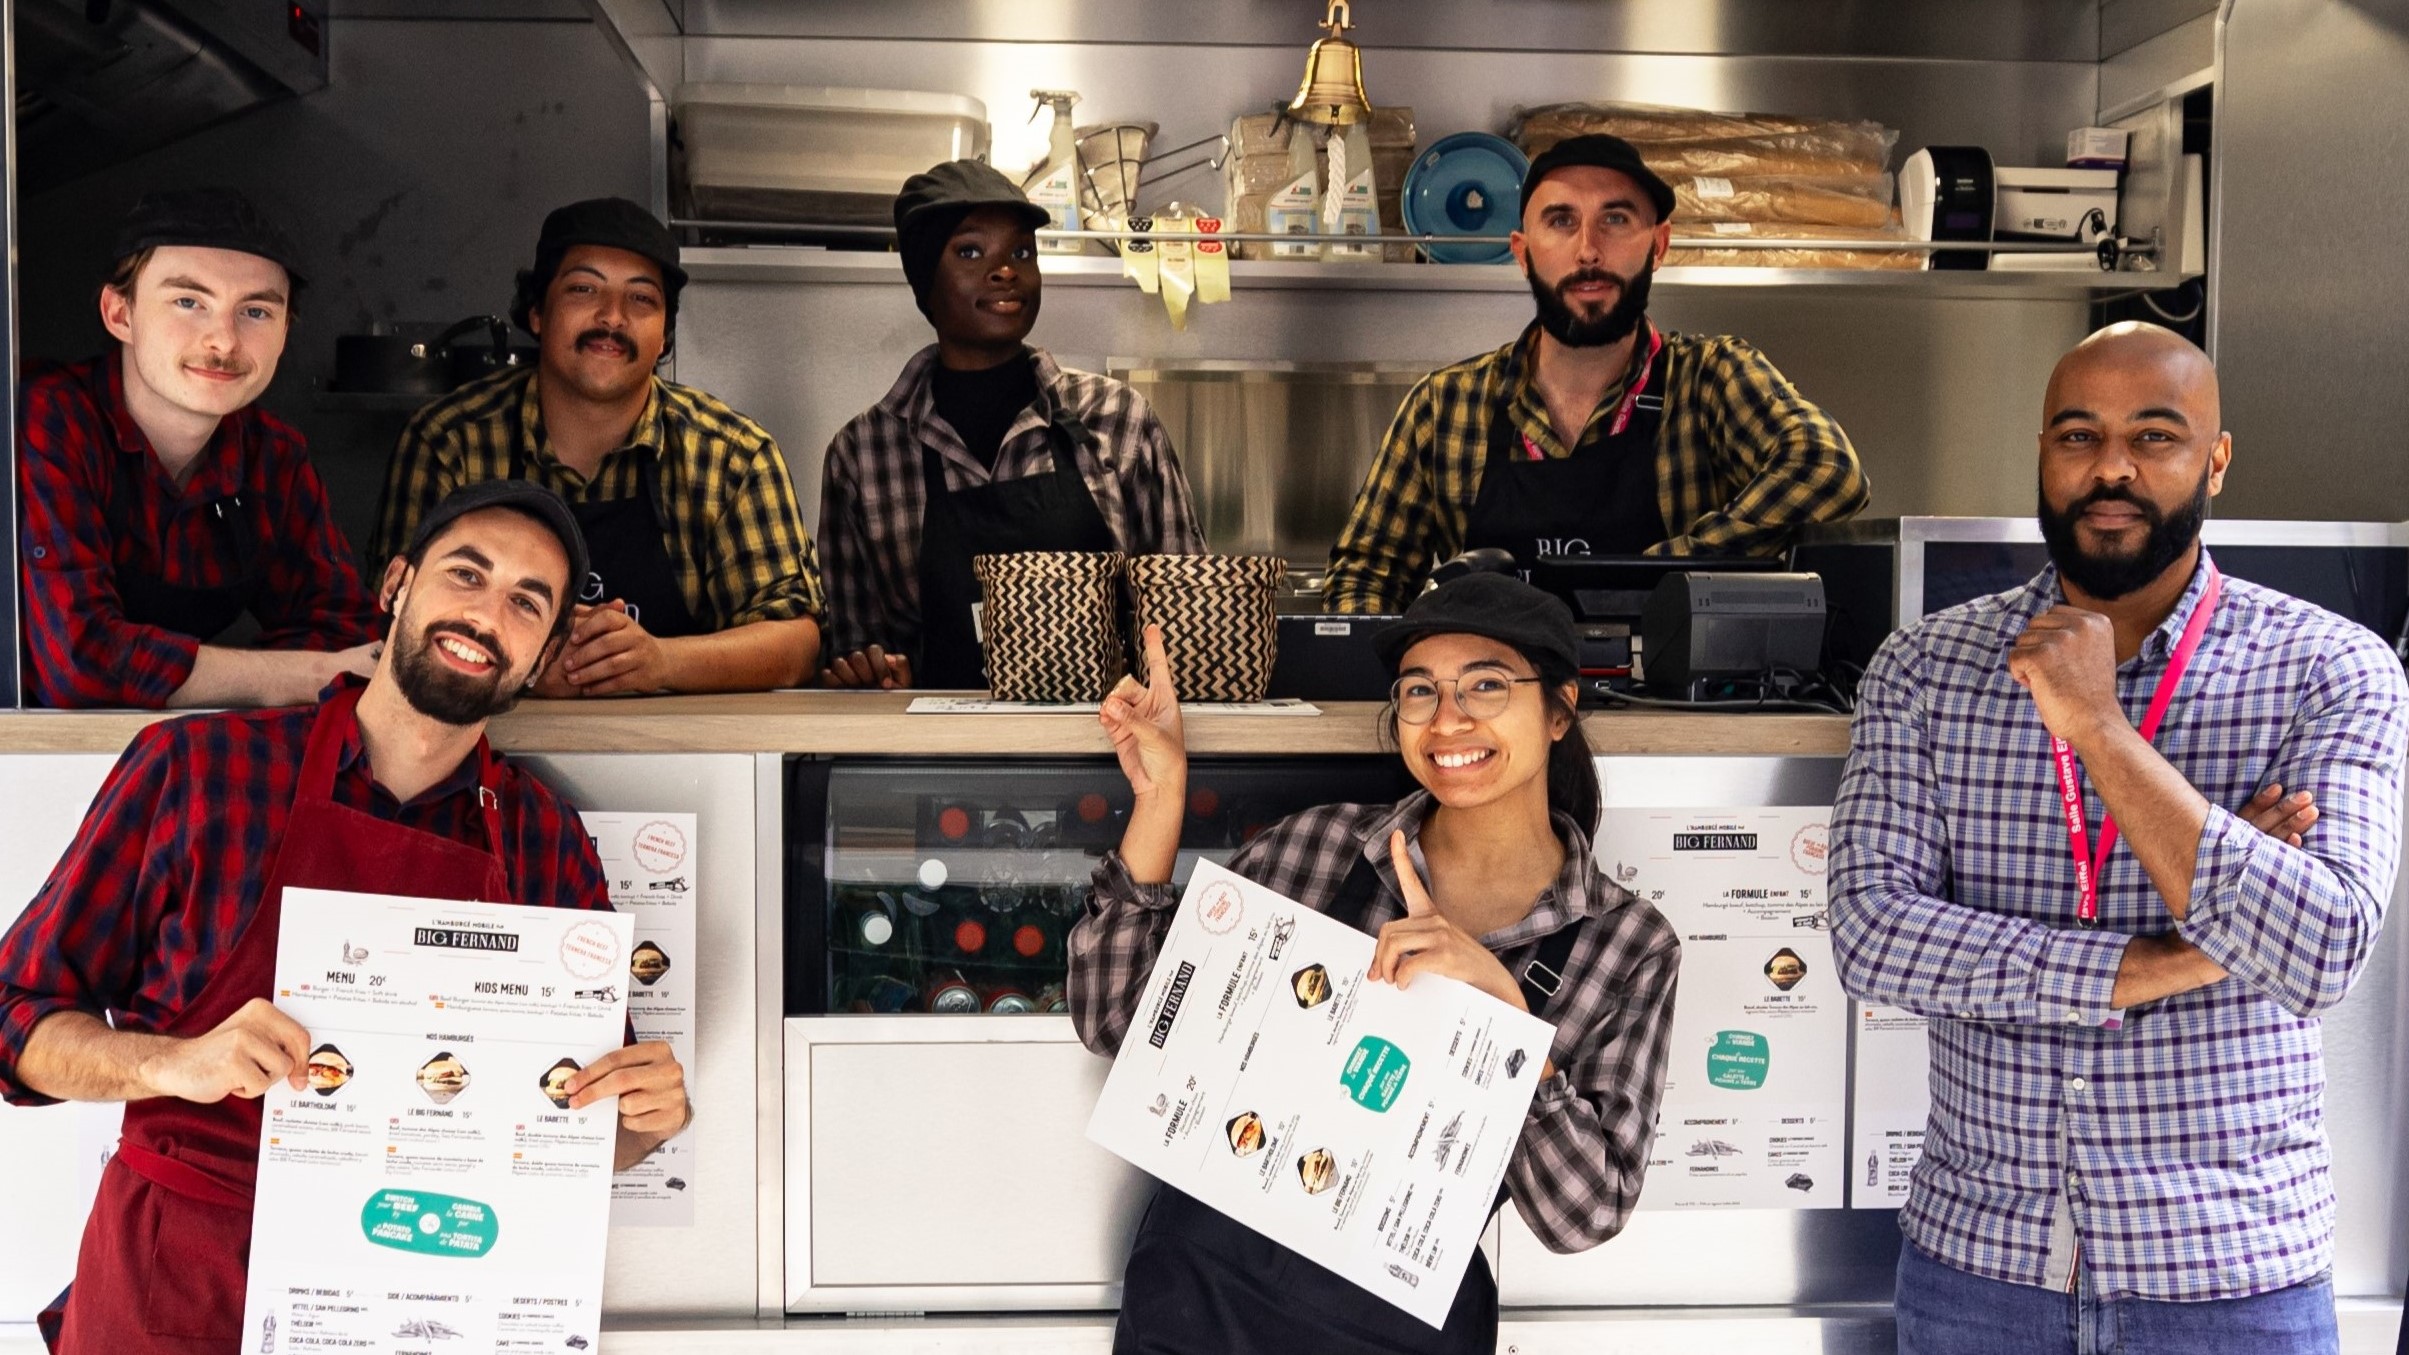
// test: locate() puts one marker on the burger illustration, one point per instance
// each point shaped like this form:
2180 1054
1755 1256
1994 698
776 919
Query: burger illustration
1246 1133
1785 969
443 1077
328 1070
1311 985
648 963
555 1082
1318 1170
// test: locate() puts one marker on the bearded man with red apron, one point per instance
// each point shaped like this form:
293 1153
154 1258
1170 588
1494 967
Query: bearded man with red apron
142 972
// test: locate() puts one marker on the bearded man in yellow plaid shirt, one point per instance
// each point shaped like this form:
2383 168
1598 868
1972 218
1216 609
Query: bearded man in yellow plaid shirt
703 577
1593 433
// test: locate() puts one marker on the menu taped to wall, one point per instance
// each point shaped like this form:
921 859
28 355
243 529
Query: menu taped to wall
1756 1088
1891 1095
431 1188
1362 1125
649 862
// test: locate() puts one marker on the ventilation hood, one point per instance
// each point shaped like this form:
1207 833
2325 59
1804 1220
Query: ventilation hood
100 81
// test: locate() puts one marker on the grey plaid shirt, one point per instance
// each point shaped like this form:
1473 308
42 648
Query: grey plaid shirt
871 496
2181 1152
1575 1177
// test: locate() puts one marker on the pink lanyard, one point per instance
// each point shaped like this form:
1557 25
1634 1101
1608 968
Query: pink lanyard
2087 864
1622 411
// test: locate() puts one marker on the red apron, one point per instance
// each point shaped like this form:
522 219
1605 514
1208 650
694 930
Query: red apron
168 1245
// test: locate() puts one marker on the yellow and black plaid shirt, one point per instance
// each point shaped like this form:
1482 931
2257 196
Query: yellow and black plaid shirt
1742 462
730 524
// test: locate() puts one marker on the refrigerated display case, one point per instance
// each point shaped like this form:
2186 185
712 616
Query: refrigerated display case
950 887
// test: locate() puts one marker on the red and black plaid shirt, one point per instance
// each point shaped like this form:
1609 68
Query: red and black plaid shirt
80 650
173 855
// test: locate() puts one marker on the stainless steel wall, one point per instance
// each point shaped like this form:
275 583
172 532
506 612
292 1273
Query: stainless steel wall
2308 254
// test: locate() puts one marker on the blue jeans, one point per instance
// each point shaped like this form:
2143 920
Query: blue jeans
1945 1311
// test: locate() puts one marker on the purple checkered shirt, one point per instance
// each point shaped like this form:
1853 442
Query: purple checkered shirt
2180 1153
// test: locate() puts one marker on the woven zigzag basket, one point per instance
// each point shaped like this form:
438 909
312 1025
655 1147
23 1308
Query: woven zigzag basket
1216 615
1051 624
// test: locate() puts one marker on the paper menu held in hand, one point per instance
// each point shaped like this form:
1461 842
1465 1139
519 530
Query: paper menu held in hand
1362 1125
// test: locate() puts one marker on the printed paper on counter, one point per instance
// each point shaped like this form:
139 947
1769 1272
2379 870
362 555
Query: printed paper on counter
1891 1097
1756 1089
431 1188
1362 1125
649 861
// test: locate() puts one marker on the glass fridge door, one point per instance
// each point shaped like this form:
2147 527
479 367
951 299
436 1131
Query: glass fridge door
950 887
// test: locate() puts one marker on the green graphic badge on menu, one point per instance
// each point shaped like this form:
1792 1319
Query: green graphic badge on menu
1738 1059
1375 1073
429 1224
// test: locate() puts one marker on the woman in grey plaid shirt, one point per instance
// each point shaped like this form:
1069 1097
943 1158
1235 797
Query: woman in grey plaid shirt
1483 715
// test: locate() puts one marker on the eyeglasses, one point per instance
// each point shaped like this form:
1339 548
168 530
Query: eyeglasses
1481 696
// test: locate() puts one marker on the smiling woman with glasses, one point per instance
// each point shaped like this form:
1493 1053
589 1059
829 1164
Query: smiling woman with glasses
1484 875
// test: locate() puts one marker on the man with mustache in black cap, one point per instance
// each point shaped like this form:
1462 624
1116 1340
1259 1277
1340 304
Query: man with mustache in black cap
162 504
984 446
143 972
703 577
1594 433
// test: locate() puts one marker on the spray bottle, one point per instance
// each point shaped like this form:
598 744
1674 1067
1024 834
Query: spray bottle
1054 185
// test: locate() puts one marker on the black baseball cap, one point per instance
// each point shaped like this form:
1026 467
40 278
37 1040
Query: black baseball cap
933 203
1498 606
206 218
613 223
523 496
1602 152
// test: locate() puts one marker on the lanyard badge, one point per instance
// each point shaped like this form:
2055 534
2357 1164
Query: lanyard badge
2088 862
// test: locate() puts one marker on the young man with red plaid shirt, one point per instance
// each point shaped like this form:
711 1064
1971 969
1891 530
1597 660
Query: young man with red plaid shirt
161 503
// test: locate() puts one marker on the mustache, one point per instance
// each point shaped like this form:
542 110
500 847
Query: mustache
215 363
1574 279
2123 494
606 335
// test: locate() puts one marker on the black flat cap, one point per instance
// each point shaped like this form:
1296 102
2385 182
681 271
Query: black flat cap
1600 151
932 204
613 223
206 218
1498 606
522 496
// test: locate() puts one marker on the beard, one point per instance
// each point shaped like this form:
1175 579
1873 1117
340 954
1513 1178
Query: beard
2109 577
438 692
1569 327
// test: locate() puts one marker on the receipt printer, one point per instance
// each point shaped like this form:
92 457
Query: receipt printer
1701 626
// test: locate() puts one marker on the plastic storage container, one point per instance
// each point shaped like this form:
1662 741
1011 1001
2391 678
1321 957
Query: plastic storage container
815 153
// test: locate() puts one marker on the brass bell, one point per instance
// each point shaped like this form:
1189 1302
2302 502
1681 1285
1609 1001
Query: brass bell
1332 91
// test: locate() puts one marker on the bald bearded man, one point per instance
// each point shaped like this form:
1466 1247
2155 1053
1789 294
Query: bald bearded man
2126 1148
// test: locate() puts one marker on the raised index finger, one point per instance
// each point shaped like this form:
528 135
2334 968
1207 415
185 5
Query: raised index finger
1409 880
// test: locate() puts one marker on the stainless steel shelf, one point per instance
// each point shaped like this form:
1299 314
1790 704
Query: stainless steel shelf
803 264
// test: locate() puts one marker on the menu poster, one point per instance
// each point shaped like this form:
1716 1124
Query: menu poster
1756 1091
1892 1096
649 860
1360 1124
431 1188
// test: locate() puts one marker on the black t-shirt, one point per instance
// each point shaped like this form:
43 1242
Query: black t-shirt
982 405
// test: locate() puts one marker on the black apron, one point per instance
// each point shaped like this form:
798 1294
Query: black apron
627 552
1201 1283
1601 500
1052 512
149 600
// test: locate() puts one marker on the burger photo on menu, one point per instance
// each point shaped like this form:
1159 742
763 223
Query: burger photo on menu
328 1070
648 963
443 1077
555 1082
1785 969
1311 985
1318 1170
1246 1133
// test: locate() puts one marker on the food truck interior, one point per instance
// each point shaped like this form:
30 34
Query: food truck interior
890 1145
